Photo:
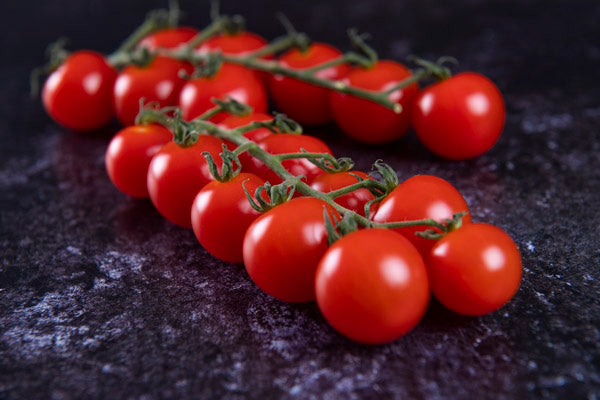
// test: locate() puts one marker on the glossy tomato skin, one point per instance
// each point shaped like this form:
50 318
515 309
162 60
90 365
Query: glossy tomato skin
369 122
372 286
129 154
289 143
461 117
230 81
78 95
308 104
168 38
282 248
475 269
158 82
421 197
176 175
240 43
355 200
221 214
256 135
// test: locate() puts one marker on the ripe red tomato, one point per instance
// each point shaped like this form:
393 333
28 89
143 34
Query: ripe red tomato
78 95
230 81
168 38
460 117
176 174
308 104
128 156
421 197
355 200
240 43
372 286
289 143
221 214
282 248
256 135
369 122
158 82
475 270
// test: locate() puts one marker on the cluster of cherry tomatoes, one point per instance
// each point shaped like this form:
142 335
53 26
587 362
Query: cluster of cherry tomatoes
372 285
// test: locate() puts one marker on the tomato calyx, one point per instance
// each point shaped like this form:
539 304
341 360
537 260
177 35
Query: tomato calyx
338 229
447 226
437 69
230 168
270 196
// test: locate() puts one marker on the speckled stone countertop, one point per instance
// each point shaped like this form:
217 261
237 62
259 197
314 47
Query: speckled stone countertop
100 298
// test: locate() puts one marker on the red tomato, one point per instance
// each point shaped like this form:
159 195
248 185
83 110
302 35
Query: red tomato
240 43
372 286
460 117
176 174
230 81
78 95
282 248
159 82
221 214
256 135
308 104
421 197
289 143
369 122
128 156
355 200
475 270
169 38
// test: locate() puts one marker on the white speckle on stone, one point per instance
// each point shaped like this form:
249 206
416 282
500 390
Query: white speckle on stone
530 246
73 250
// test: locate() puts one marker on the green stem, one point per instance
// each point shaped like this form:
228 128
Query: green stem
275 46
415 77
308 156
211 30
364 184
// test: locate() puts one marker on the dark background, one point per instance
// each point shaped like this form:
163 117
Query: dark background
102 298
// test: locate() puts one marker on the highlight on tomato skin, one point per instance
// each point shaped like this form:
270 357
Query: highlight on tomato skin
168 38
460 117
128 156
372 286
78 95
475 269
283 247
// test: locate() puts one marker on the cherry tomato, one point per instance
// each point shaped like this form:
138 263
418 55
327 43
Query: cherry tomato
355 200
230 81
372 286
282 248
369 122
475 269
169 38
421 197
78 95
221 214
460 117
158 82
128 156
240 43
256 135
176 174
308 104
289 143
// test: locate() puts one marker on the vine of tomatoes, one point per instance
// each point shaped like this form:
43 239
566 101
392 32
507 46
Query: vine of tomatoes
369 249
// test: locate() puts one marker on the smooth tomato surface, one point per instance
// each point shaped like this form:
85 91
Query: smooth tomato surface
421 197
169 38
369 122
289 143
354 200
129 154
460 117
282 248
78 95
158 82
475 270
308 104
221 214
372 286
176 175
230 81
239 43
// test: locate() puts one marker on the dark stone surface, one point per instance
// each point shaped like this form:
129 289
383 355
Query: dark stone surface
101 298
